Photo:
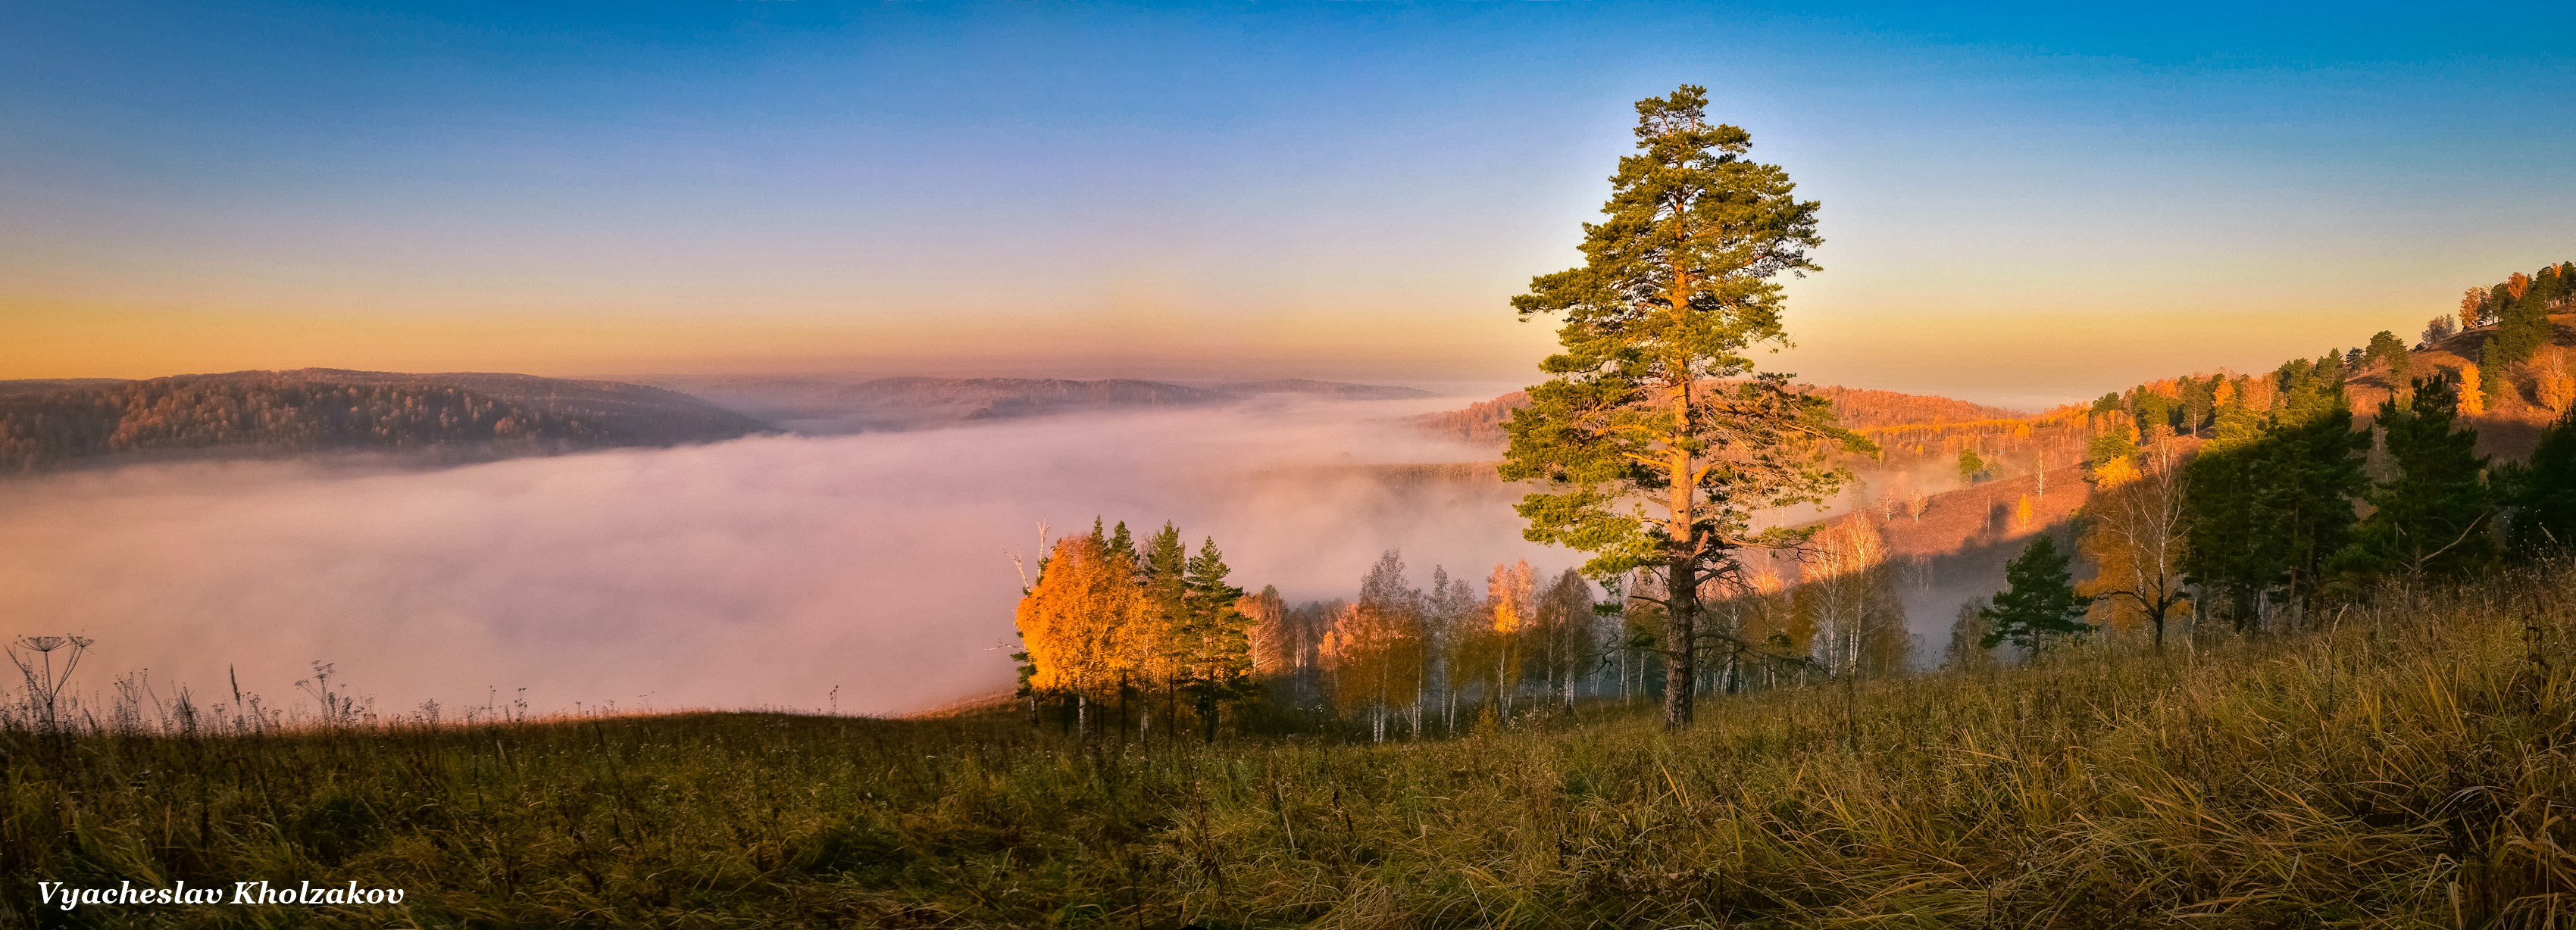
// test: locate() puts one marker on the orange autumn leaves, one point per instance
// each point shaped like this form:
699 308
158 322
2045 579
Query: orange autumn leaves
1104 617
1085 624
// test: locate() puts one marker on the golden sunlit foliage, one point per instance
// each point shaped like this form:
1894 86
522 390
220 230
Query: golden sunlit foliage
2553 384
1082 623
2134 537
1104 622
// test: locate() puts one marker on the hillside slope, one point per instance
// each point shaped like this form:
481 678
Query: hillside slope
2513 418
51 424
2404 767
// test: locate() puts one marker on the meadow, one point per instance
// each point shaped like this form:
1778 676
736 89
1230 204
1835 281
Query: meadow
2404 764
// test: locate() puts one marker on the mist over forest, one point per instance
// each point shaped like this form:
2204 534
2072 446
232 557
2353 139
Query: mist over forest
760 572
764 571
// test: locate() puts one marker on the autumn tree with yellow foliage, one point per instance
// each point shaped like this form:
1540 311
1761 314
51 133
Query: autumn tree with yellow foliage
1100 622
1377 651
1850 597
2135 541
1080 622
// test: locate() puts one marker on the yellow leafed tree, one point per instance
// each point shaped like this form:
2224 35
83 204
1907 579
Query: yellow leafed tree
2473 397
2557 386
1082 623
1512 590
1851 600
2115 472
2135 540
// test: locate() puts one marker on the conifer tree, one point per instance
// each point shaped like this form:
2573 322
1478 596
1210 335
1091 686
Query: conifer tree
2038 600
2431 519
2385 346
1972 467
1164 650
1657 437
2542 492
2154 410
2198 397
2269 500
1215 637
2230 551
2314 466
2522 324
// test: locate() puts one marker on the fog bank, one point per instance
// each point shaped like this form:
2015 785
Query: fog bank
762 572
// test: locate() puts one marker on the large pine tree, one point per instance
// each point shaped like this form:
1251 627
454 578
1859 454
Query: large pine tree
1658 439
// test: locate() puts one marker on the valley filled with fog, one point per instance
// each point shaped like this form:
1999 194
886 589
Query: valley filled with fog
764 571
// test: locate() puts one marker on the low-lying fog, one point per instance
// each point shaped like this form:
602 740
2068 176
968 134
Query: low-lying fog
761 572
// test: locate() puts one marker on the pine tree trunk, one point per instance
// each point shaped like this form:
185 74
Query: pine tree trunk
1678 637
1681 575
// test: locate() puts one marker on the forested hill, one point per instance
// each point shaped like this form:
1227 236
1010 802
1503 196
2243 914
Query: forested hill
1857 408
840 405
50 424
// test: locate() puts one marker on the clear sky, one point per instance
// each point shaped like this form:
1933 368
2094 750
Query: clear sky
2020 205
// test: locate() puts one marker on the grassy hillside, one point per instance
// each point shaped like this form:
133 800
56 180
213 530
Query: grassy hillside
2407 766
2514 417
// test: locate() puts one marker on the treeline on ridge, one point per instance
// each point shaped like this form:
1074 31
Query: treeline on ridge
51 424
2262 500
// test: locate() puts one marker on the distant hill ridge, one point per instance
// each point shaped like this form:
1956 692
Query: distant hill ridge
831 405
50 424
1857 408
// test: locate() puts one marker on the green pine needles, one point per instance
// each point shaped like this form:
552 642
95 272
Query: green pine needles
2540 494
1656 437
2269 500
2432 519
2038 600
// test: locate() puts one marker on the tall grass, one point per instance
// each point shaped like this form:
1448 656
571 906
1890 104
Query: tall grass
2406 766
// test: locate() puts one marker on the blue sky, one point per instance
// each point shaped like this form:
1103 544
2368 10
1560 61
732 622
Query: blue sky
1338 189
